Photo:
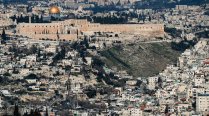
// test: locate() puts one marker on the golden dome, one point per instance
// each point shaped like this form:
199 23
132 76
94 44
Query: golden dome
54 10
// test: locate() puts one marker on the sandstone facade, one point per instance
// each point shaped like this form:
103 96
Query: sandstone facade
71 29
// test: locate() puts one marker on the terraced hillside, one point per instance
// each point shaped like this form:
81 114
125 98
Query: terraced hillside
141 59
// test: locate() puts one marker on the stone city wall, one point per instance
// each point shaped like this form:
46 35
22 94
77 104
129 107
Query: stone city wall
73 27
144 29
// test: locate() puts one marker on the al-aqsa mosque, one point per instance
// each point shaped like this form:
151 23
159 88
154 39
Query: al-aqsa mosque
71 29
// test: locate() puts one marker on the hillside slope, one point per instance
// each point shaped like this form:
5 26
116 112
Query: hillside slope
141 59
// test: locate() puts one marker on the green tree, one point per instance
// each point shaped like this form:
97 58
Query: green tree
33 49
3 36
150 19
47 113
6 74
16 110
86 43
37 113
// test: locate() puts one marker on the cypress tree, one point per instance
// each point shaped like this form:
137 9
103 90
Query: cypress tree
16 111
3 35
46 114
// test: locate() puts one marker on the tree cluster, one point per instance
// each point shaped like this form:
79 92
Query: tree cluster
25 19
110 20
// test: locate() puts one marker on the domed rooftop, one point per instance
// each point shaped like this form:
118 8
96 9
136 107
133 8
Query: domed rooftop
54 10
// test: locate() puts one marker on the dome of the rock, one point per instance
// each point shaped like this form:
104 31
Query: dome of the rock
54 10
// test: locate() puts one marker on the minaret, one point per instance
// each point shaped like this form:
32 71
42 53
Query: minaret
29 18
